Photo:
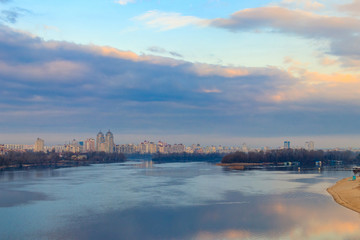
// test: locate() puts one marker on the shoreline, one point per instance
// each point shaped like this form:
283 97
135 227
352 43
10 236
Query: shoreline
346 193
55 165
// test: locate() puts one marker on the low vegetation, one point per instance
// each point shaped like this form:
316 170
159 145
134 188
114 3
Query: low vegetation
40 159
304 157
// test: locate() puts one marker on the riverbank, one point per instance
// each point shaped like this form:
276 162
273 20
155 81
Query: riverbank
31 160
54 165
346 192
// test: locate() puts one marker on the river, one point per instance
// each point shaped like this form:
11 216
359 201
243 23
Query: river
141 200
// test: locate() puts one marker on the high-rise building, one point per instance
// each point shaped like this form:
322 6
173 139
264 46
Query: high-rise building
39 145
161 147
144 147
109 142
90 145
100 140
286 144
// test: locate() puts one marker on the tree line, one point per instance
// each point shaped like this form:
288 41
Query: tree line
305 157
15 159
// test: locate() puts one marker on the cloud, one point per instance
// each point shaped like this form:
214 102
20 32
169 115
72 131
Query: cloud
81 86
213 90
124 2
62 70
304 4
342 33
312 84
9 16
160 50
228 234
289 21
168 20
353 7
327 61
211 70
12 15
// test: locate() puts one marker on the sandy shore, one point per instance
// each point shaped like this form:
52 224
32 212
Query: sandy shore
346 192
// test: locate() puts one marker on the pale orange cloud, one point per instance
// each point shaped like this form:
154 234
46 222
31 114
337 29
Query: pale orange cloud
212 90
59 70
209 70
312 85
228 234
330 79
113 52
327 61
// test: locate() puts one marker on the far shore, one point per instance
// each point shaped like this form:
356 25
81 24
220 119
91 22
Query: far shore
346 192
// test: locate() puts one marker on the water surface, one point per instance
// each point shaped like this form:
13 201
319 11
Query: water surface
141 200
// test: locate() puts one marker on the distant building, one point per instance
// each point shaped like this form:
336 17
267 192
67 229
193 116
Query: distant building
244 148
178 148
100 140
161 147
18 147
105 143
89 145
286 144
147 147
2 149
309 145
127 148
39 145
109 142
58 148
73 147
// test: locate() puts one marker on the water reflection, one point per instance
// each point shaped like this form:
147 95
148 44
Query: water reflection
13 198
142 200
275 218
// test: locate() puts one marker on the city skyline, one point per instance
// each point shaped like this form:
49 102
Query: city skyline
105 143
94 142
222 72
343 142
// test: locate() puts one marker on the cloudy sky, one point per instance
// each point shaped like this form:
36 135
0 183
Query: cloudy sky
208 71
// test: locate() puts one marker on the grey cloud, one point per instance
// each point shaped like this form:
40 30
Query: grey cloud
71 87
175 54
342 32
155 49
289 21
9 16
12 15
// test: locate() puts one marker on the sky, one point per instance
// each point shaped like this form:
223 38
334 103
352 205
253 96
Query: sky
207 71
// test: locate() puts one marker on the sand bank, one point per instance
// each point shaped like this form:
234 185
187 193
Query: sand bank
346 192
